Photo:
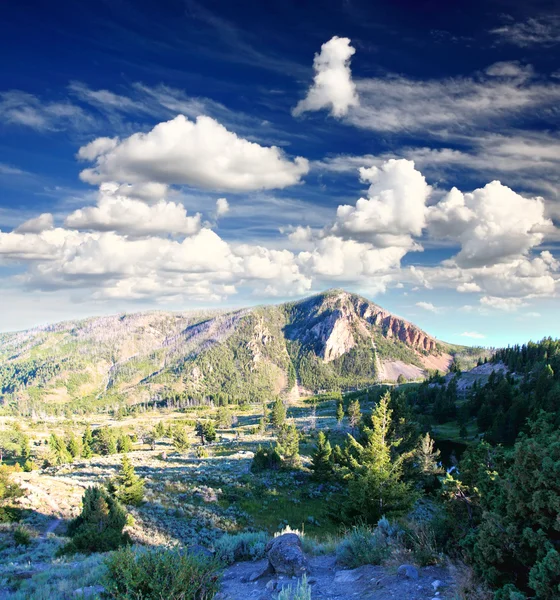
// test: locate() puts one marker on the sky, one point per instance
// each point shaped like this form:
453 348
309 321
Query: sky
174 155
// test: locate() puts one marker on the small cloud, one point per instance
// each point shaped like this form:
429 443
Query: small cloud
428 306
473 334
506 304
222 207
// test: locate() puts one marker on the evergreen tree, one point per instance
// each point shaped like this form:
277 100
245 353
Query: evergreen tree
104 441
74 445
9 491
354 414
58 452
376 487
127 487
287 444
124 443
339 413
206 431
99 527
426 461
278 416
321 458
159 430
87 443
180 439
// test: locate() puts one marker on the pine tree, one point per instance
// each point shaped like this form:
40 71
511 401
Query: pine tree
74 446
321 458
58 452
87 442
354 413
377 488
159 430
127 487
278 416
426 461
104 441
287 444
124 443
339 413
180 439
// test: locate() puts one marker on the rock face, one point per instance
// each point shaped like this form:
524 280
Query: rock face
285 555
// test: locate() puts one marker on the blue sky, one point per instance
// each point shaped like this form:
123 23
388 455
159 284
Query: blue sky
179 154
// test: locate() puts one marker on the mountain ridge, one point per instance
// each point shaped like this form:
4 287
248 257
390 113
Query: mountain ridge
332 340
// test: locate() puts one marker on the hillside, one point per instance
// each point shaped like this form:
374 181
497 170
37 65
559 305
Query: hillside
334 340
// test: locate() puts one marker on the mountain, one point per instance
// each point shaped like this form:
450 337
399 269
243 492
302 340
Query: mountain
334 340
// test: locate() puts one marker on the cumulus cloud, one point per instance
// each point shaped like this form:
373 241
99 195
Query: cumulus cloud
493 224
37 224
202 153
505 304
222 207
332 86
428 306
394 211
115 212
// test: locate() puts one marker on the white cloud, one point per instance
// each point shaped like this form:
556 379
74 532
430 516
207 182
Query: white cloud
493 224
37 224
536 31
201 154
222 207
505 304
428 306
510 69
473 334
115 212
394 211
332 87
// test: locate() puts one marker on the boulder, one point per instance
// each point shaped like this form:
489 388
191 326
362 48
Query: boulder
285 555
88 591
408 571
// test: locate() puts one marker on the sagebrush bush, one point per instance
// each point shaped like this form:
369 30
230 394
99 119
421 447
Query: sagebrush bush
302 591
266 459
365 545
241 546
22 537
158 573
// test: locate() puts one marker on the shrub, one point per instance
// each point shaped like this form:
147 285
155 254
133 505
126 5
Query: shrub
160 573
266 458
22 537
9 491
99 528
202 452
367 546
241 546
302 591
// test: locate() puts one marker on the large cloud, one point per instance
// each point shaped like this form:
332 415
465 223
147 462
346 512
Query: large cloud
332 87
493 224
115 212
395 208
201 153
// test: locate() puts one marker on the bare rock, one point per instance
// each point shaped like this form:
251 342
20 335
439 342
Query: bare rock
88 591
266 570
285 555
408 571
348 575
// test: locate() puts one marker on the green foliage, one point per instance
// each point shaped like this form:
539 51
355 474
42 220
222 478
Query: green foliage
157 573
58 452
512 510
87 442
233 547
301 591
376 487
364 545
180 438
266 459
9 491
22 537
339 412
321 463
99 527
278 413
127 487
206 430
104 441
287 445
124 443
426 460
74 445
354 413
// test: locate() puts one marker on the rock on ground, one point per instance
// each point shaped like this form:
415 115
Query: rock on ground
285 555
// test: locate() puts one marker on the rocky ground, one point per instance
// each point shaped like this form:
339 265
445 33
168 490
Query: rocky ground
286 562
329 581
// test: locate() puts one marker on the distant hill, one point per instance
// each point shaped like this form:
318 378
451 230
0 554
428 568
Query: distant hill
334 340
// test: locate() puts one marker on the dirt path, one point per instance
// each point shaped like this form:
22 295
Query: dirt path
330 582
50 502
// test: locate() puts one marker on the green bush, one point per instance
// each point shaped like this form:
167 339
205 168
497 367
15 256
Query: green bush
302 591
266 459
22 537
159 573
241 546
99 528
367 546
